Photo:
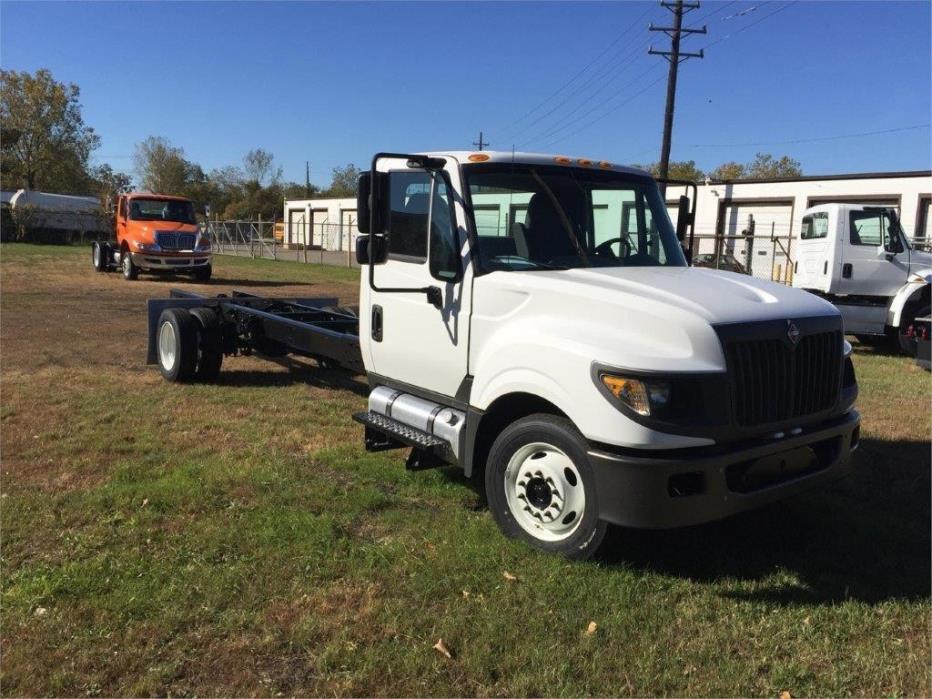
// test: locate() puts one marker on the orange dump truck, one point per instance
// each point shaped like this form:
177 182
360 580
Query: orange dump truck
155 233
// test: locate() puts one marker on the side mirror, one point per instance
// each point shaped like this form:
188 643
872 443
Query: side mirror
682 218
379 249
363 217
894 245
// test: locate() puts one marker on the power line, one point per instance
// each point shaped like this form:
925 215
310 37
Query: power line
752 24
583 69
481 144
810 140
605 114
559 126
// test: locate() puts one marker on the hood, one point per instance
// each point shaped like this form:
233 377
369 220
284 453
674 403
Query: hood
648 318
166 227
715 296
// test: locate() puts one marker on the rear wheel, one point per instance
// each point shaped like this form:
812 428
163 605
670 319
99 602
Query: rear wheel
540 487
209 344
99 257
177 344
130 271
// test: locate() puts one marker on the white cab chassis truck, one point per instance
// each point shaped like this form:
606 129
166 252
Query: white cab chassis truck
533 319
858 258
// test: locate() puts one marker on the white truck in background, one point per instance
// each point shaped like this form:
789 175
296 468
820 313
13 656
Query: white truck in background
532 318
858 258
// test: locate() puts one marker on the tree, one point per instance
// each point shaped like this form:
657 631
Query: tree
728 171
259 166
45 142
764 166
682 170
161 167
109 182
344 182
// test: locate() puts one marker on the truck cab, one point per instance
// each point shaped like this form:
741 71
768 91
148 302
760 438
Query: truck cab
155 233
532 320
538 316
859 258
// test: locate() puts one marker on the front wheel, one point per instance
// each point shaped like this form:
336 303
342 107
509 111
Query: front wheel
540 487
130 271
202 274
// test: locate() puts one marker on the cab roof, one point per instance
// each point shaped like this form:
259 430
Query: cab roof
467 157
152 195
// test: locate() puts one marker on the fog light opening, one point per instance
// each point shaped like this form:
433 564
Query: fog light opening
683 485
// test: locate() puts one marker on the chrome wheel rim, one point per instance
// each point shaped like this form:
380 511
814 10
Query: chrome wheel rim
96 256
167 346
544 491
127 262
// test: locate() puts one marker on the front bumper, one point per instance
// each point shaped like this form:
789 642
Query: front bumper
153 262
662 492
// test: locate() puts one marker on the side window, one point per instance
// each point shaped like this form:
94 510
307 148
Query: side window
868 227
444 249
408 215
814 226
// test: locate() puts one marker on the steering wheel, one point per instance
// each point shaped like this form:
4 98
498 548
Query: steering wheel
624 247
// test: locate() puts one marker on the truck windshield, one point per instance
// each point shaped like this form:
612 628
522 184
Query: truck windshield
531 217
162 210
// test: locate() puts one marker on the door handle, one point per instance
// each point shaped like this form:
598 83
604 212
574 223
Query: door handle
846 270
377 323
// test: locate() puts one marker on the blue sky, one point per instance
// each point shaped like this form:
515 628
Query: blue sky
334 82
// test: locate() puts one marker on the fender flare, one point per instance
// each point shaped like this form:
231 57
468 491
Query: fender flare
918 284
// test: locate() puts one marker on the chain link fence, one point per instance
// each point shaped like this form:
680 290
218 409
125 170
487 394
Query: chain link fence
319 243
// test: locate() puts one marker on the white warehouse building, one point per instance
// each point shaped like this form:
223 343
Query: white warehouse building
724 211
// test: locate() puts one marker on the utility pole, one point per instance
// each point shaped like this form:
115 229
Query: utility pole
307 179
481 144
674 57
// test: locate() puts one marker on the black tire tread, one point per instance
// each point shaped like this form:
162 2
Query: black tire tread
585 541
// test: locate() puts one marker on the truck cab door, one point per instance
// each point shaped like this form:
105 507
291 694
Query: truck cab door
870 266
815 253
419 336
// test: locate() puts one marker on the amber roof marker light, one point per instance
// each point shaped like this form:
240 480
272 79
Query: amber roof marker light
478 157
563 160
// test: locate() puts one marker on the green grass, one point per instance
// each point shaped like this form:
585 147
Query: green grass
236 539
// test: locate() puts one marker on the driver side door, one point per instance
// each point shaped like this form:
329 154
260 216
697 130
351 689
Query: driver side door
409 339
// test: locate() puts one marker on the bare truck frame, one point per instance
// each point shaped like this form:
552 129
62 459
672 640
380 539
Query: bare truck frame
203 329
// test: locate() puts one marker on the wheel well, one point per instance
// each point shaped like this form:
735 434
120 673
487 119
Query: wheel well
915 303
503 411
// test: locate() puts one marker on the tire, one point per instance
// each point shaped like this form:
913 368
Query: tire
130 271
176 345
209 344
99 257
541 489
909 345
202 274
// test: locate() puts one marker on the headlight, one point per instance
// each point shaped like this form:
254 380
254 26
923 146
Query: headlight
643 396
203 244
846 348
148 247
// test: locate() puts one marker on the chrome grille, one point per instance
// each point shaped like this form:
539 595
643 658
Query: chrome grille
175 241
772 382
